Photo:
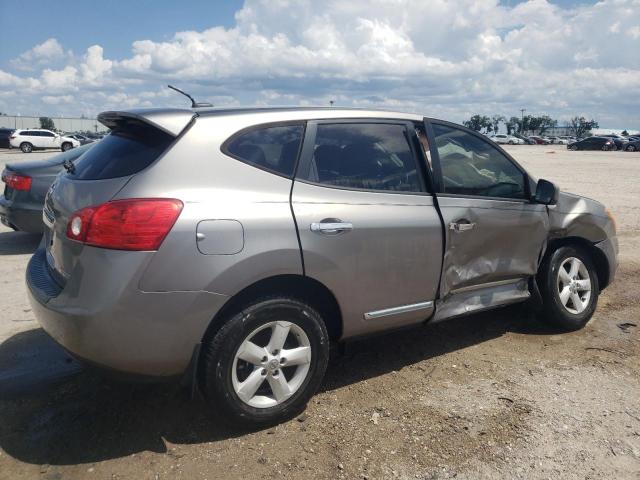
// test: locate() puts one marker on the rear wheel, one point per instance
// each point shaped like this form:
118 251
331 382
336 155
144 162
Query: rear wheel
569 287
66 146
631 148
26 147
266 362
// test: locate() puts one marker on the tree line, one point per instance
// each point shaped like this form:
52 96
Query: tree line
537 125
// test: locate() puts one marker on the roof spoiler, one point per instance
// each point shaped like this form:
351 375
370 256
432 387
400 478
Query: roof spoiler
171 121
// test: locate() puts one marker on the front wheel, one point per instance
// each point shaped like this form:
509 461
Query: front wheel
266 362
573 147
631 148
569 287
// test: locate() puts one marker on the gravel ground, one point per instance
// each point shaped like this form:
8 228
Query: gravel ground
495 395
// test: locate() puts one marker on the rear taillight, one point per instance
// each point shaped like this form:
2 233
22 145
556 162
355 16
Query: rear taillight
13 137
132 224
16 181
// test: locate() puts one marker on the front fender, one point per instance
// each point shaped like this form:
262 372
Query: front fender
576 216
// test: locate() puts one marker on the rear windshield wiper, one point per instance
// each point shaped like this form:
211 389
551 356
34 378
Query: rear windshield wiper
69 166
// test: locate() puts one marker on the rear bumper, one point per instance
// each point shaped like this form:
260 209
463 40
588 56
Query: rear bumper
101 317
610 249
19 218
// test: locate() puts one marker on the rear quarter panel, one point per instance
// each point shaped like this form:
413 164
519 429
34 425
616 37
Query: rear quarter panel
213 186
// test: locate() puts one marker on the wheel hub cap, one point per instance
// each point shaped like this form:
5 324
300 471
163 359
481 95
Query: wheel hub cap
271 364
574 285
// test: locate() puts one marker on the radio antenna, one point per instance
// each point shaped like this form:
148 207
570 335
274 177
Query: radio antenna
194 104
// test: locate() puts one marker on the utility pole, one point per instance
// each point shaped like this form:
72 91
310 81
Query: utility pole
522 110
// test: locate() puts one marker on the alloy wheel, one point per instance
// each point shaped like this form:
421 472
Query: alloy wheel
271 364
574 285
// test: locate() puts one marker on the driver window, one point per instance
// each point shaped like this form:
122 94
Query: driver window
472 166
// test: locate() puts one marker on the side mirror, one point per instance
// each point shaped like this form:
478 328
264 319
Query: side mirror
546 193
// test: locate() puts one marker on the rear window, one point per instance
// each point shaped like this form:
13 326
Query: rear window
273 148
122 153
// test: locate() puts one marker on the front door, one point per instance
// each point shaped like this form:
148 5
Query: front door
368 228
495 235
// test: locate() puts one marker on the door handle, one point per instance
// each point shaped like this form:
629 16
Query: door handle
331 228
461 227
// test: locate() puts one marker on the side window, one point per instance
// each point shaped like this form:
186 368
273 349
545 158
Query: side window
472 166
47 134
370 156
273 148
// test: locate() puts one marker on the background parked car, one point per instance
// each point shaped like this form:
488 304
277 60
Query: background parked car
506 139
632 146
539 140
39 139
5 133
593 143
81 138
26 185
525 140
621 142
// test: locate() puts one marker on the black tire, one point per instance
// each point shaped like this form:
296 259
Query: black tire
553 310
573 147
631 148
66 146
218 353
26 147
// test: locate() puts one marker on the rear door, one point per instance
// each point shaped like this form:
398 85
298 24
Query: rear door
48 139
494 234
368 227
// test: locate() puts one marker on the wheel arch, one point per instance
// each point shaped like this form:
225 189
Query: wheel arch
301 287
599 258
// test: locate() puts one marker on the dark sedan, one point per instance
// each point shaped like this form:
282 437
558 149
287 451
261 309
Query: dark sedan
632 146
593 143
26 184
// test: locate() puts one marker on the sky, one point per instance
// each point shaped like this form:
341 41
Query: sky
447 59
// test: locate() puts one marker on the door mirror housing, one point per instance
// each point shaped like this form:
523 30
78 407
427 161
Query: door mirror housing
546 193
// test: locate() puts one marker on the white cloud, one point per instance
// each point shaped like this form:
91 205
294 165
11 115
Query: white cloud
46 53
444 58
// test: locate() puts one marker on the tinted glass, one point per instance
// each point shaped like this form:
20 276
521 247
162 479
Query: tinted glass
122 153
47 134
365 156
272 148
28 133
472 166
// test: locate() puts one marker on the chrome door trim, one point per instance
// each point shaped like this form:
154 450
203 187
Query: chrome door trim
471 288
397 310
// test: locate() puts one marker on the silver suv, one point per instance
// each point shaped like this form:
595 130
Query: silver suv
235 245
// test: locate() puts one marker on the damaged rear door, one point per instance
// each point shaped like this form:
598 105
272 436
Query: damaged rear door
494 234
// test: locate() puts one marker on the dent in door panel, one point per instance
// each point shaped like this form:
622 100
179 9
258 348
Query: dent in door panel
506 241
